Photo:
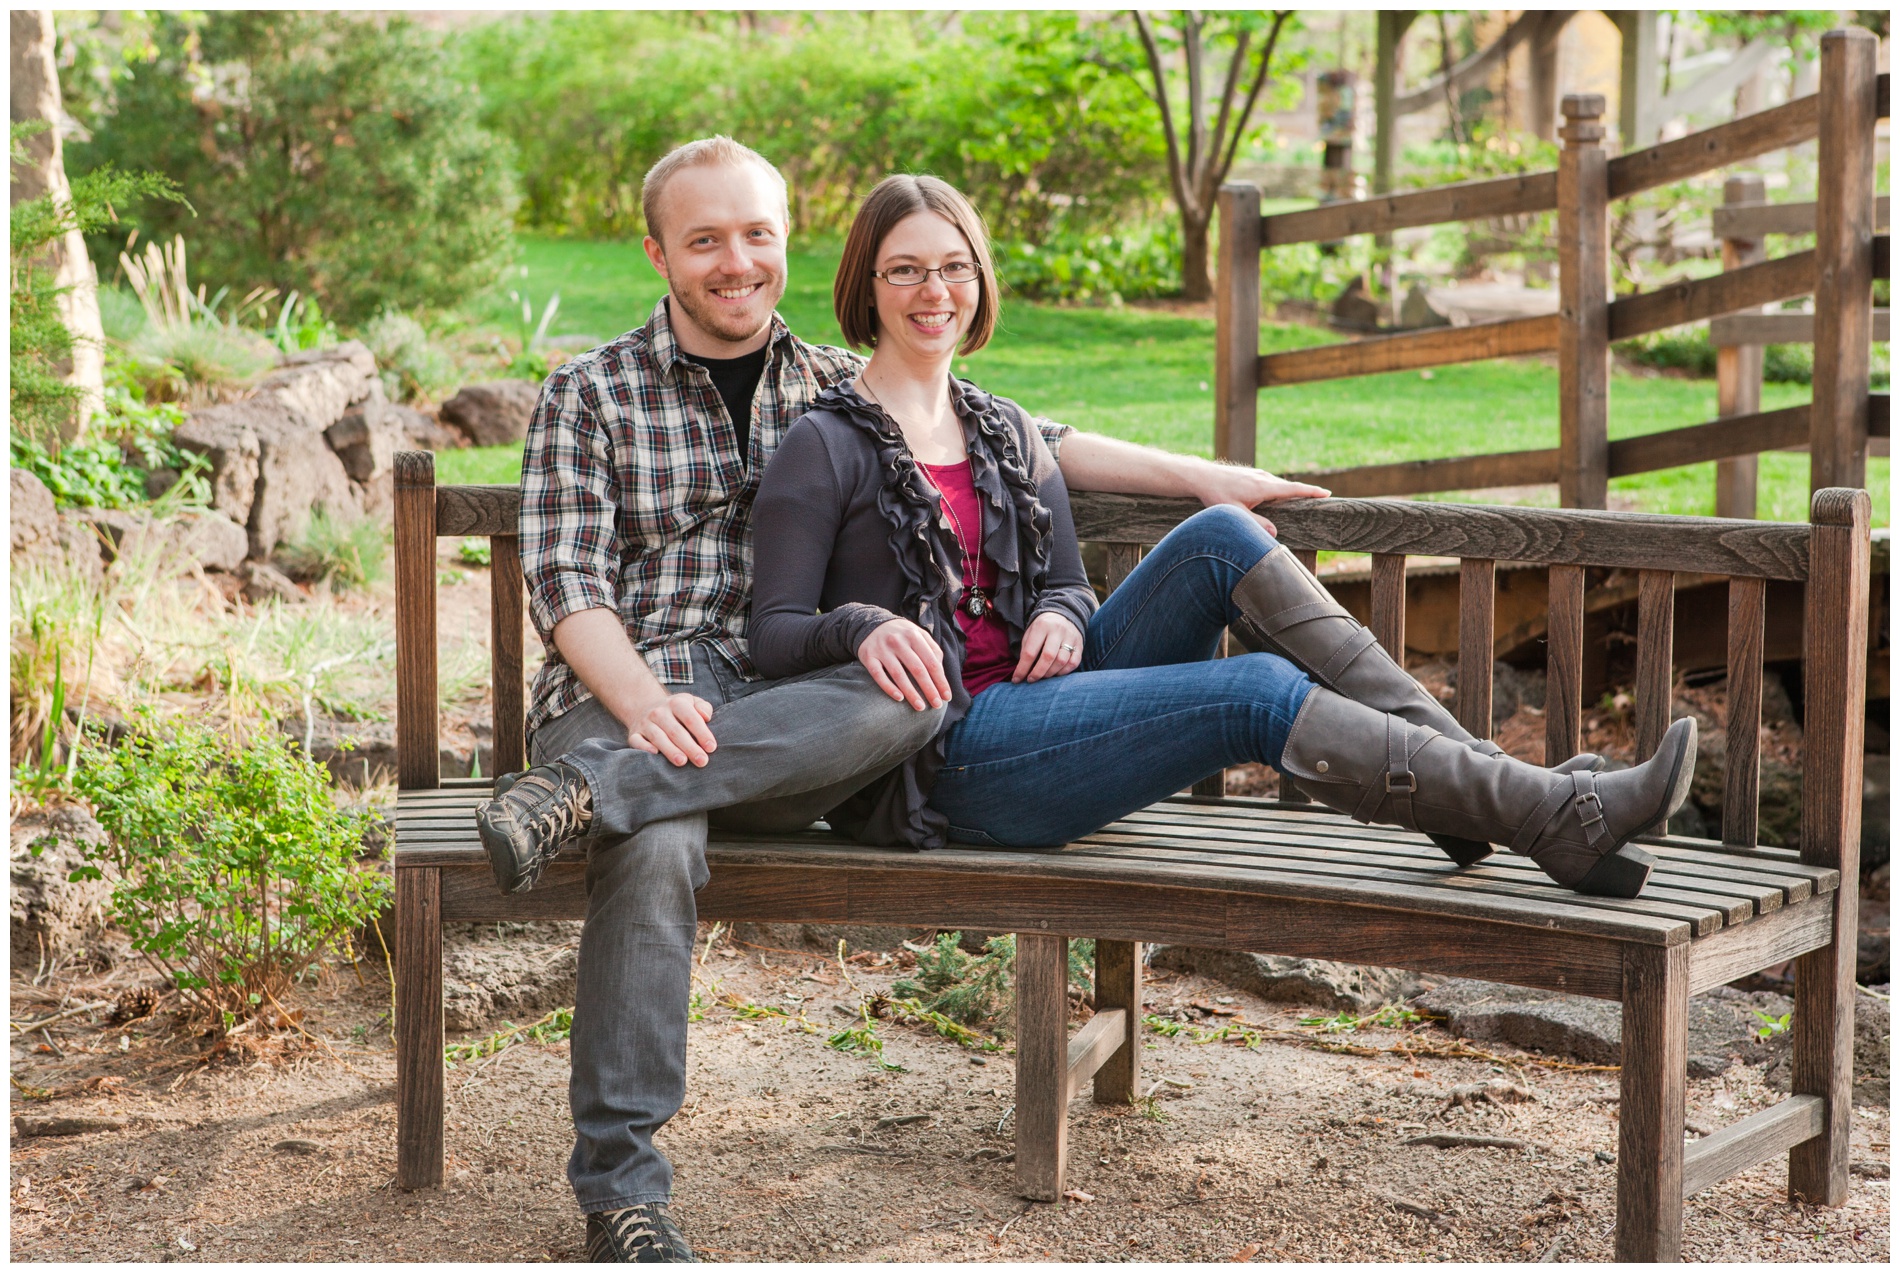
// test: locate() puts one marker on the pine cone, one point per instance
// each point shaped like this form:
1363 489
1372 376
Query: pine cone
134 1004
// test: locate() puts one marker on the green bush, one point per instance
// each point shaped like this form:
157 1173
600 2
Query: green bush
1098 267
231 866
1688 349
344 553
976 989
108 468
412 364
335 156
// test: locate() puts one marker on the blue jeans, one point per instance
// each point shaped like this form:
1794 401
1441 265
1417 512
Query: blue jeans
1149 712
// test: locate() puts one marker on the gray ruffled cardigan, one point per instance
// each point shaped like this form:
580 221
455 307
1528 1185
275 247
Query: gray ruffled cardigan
847 534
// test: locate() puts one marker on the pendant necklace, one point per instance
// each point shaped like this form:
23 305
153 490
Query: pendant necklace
975 601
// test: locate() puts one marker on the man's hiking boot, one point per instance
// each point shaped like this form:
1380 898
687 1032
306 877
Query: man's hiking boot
1286 611
1577 826
644 1234
531 817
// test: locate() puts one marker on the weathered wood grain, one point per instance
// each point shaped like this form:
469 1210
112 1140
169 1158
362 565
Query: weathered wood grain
1655 644
419 1073
1106 1032
1381 214
1718 147
1782 329
478 510
1583 339
1122 560
1833 744
1738 363
1734 953
1477 624
1576 537
506 653
1237 324
1118 987
1388 603
1433 347
1453 473
1042 1089
417 755
1741 791
1742 1144
1752 218
1563 693
1843 245
1693 300
1650 1111
1698 443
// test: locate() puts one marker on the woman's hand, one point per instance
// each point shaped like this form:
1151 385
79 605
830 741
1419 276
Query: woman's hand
1051 647
674 725
906 662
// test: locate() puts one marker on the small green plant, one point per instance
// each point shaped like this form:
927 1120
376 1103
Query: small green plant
1390 1016
965 988
230 863
862 1040
413 366
301 325
342 552
474 552
1771 1025
555 1027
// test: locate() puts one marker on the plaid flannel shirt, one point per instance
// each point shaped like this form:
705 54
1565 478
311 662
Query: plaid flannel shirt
634 497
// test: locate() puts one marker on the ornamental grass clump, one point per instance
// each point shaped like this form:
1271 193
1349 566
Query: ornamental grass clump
231 866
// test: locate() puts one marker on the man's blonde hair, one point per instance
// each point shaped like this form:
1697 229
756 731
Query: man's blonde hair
706 151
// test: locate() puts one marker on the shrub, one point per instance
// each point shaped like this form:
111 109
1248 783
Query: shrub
1101 267
332 155
413 365
975 989
109 468
344 553
231 866
1688 349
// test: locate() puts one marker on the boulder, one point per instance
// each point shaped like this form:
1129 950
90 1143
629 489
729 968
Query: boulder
366 438
51 914
263 581
317 385
511 972
297 473
225 436
40 535
209 538
421 431
493 413
1323 983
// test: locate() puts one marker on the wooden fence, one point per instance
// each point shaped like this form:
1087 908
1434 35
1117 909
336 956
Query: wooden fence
1838 271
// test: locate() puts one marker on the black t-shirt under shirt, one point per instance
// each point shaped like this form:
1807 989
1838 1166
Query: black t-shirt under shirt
737 379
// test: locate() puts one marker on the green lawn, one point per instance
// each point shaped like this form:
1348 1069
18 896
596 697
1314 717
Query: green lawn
1147 375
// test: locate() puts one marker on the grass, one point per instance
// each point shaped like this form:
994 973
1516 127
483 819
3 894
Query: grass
1147 375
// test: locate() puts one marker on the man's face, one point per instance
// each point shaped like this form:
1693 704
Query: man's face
723 257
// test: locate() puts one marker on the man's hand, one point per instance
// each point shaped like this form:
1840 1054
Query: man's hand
1051 647
675 726
906 662
1231 484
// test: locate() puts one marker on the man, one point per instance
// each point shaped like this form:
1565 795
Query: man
637 484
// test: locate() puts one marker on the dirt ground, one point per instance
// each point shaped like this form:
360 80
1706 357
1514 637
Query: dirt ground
789 1150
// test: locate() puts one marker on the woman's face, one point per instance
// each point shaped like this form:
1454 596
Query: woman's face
929 319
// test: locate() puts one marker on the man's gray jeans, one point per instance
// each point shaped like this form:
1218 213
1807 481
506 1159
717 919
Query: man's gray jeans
788 751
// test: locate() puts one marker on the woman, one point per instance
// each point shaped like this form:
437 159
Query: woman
921 526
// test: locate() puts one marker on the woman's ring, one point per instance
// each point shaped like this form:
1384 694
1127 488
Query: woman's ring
1069 647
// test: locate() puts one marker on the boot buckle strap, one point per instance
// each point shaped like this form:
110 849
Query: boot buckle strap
1590 808
1280 620
1356 643
1392 783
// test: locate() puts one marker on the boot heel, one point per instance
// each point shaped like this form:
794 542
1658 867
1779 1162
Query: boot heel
1463 852
1619 874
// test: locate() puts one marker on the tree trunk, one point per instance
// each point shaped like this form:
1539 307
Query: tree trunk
35 95
1196 285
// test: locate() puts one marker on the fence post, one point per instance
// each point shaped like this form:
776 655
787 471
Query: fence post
1843 276
1738 367
1583 344
1237 324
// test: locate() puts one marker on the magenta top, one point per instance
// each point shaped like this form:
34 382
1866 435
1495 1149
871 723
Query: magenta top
988 658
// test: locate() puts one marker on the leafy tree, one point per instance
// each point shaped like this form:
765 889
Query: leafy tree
39 399
336 156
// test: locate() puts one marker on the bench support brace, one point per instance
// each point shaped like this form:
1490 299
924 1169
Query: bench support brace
419 1061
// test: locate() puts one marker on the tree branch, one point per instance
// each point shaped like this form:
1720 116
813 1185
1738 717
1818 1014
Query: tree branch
1253 95
1478 64
1175 174
1197 95
1239 60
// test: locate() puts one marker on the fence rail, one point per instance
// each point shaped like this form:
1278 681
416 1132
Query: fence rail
1838 272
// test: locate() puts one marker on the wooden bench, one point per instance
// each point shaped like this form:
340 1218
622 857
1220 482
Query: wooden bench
1279 876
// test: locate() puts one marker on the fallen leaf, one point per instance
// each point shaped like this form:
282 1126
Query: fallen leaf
1245 1253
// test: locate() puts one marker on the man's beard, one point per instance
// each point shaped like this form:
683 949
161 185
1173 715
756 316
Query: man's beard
715 320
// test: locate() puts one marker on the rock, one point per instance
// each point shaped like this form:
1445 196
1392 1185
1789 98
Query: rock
1354 310
25 1125
263 581
318 385
357 753
421 432
1281 979
1417 311
493 413
1587 1029
211 539
365 438
160 480
52 915
225 437
354 353
112 527
511 972
1873 1026
43 537
297 473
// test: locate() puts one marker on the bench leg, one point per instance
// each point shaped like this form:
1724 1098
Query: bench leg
1042 1073
1655 1074
1118 985
419 1076
1824 1057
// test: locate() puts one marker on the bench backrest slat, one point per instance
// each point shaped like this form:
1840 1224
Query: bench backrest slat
1388 602
416 685
1563 667
1741 789
1655 644
1477 635
505 622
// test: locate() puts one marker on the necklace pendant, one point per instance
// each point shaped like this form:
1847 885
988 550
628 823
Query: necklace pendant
976 603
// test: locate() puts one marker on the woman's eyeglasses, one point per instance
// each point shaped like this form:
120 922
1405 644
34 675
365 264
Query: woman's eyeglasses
912 275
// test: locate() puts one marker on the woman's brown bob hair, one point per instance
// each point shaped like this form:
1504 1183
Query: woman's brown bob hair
894 199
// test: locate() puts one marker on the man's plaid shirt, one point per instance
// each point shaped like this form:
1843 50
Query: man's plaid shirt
634 497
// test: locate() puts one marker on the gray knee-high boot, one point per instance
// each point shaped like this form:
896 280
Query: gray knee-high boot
1286 611
1577 826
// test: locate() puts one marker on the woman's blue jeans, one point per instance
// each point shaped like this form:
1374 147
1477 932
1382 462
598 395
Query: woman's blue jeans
1150 711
